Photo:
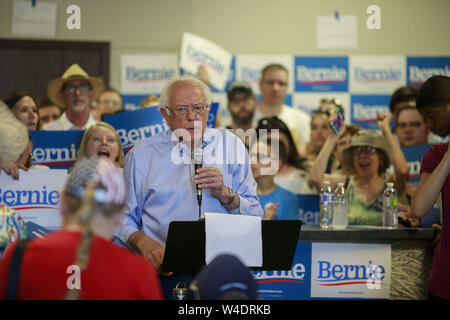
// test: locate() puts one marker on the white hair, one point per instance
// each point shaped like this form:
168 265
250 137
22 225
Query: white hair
14 137
164 98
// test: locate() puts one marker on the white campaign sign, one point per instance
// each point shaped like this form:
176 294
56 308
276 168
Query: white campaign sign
376 74
350 270
35 196
197 51
146 74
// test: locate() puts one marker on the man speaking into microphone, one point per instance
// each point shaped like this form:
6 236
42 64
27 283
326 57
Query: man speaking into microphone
160 176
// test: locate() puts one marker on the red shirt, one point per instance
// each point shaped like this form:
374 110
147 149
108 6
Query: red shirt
439 284
111 272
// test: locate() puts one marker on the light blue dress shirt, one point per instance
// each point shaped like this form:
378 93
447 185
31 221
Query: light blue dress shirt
159 176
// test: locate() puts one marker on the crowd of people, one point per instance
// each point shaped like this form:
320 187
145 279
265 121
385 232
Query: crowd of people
260 174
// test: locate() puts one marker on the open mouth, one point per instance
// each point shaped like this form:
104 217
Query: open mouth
103 153
364 164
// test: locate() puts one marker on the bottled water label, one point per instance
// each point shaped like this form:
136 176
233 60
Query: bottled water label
326 197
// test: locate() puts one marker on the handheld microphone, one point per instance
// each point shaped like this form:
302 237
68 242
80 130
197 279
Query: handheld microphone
197 157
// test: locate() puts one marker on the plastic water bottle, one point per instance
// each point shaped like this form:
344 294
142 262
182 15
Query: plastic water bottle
390 206
326 206
340 218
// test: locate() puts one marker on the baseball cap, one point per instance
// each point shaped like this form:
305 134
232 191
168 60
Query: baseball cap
225 274
239 86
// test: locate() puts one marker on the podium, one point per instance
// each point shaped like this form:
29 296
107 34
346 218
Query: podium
185 245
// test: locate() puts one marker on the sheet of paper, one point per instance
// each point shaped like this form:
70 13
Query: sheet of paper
196 51
336 32
39 21
233 234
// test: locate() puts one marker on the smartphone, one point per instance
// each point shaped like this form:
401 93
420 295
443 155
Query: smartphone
336 124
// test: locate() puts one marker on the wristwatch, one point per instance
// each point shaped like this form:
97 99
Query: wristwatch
232 196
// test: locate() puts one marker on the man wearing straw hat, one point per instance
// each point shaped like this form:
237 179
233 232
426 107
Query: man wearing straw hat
74 92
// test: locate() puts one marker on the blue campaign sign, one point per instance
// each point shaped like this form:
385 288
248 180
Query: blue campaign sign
321 74
294 284
364 109
414 155
419 69
134 126
56 149
309 209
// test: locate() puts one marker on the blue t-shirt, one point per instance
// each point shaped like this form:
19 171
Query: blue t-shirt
288 209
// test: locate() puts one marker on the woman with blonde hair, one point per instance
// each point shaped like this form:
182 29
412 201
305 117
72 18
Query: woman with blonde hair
80 261
101 140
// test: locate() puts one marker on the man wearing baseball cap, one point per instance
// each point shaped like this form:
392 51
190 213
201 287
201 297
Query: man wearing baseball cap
74 92
241 104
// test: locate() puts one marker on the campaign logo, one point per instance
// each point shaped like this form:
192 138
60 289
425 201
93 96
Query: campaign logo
366 108
419 69
321 74
334 275
203 58
287 284
414 155
56 149
309 209
27 199
377 75
139 75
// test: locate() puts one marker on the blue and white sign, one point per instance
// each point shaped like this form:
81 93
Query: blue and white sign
146 74
366 107
350 270
35 196
291 284
197 51
319 74
419 69
309 209
414 155
377 74
56 149
134 126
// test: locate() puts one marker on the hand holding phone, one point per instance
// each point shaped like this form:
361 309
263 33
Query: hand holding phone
337 123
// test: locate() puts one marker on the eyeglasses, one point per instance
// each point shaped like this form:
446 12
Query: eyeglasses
365 149
182 111
81 87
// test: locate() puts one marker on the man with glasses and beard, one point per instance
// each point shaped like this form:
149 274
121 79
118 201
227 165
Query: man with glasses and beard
74 92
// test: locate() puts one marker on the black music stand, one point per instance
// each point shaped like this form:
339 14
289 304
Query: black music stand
185 245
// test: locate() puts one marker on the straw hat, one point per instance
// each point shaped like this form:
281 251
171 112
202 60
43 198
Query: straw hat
74 72
369 138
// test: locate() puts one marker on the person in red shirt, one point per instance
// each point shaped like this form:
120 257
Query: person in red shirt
433 103
80 261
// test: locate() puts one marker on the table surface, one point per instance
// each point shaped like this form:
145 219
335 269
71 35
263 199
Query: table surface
365 234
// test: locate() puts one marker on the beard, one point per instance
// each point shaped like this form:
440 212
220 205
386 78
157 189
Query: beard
243 121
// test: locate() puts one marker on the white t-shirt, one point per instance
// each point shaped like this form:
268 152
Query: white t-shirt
63 123
298 122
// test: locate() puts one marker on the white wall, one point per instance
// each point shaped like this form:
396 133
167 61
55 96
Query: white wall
413 27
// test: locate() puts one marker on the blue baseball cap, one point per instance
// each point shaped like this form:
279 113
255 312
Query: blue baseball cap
226 277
